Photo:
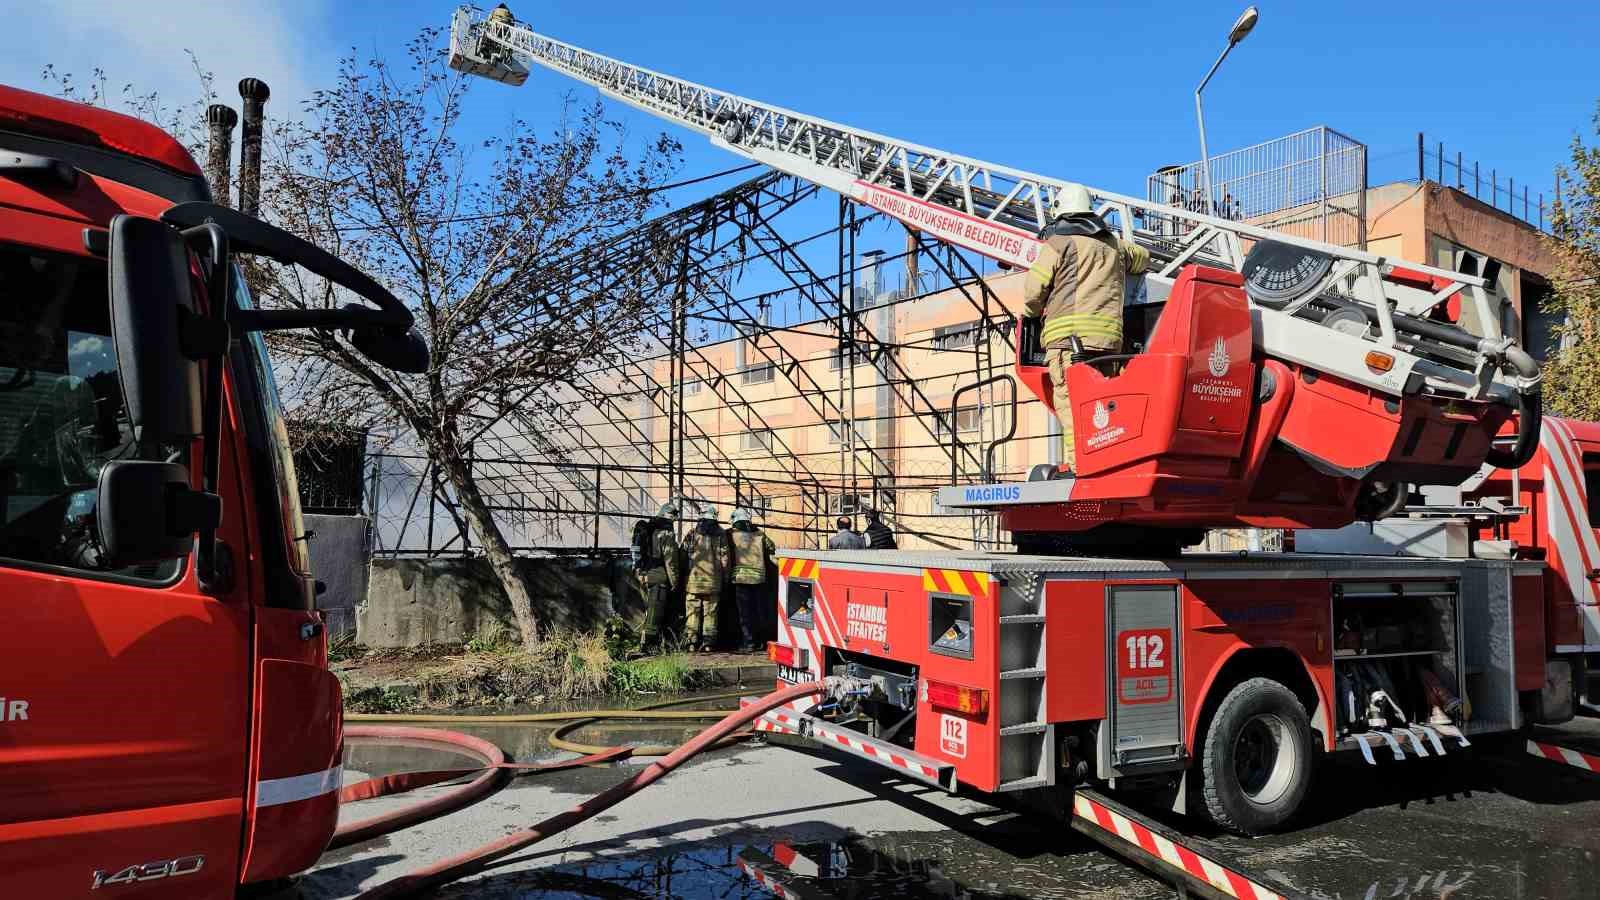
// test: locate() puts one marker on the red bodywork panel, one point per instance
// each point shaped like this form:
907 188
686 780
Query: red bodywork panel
1559 527
1271 620
153 716
1223 618
95 126
1197 431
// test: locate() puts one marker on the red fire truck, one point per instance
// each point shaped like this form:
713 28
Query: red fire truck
1217 678
168 724
1275 382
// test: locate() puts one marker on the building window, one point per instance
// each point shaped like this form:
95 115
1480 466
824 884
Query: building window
836 432
757 502
849 504
690 388
701 446
759 374
757 439
858 357
967 420
954 337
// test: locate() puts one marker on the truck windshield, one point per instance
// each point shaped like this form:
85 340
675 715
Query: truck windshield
61 412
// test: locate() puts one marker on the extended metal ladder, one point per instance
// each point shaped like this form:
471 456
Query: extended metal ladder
1351 304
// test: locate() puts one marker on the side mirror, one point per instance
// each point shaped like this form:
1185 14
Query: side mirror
402 351
146 512
150 297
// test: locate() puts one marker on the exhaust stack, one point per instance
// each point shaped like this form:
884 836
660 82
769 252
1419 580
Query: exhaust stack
254 93
220 120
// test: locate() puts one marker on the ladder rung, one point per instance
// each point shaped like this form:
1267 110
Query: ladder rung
1022 673
1023 619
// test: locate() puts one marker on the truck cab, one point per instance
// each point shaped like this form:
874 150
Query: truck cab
168 724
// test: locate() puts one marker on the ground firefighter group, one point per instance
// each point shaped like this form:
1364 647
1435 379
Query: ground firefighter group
707 560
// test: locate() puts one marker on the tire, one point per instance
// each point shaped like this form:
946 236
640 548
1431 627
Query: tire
1256 762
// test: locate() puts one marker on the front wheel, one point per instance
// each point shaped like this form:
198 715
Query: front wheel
1256 762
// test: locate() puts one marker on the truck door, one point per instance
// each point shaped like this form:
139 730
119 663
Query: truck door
1572 512
125 689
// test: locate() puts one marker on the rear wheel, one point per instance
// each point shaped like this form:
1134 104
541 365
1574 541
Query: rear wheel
1256 762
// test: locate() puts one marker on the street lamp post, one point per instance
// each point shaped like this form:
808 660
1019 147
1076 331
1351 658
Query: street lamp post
1241 27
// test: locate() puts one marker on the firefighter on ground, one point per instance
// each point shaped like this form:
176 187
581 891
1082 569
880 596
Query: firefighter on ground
707 550
1076 284
751 550
655 559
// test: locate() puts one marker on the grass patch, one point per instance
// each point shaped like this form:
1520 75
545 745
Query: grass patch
653 675
494 670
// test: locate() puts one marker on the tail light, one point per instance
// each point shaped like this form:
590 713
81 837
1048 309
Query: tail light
787 656
957 698
781 654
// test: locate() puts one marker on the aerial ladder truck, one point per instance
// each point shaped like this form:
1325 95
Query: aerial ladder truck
1287 383
1284 383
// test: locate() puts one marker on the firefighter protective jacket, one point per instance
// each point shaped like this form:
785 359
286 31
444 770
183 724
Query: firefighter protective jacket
1077 283
750 551
707 549
664 554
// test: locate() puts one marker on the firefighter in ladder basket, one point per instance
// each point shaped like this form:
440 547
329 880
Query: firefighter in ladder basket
1076 284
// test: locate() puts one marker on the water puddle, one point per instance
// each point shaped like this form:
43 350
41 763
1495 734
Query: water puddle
850 869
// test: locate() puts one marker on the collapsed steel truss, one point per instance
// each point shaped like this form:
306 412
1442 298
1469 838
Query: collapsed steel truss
625 439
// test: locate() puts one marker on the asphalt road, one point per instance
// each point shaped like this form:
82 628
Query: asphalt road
1489 823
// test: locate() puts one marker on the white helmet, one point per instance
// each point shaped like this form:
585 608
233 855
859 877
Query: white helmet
668 510
1070 199
708 513
739 515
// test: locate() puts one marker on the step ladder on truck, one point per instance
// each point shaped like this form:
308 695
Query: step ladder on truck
1281 382
1284 383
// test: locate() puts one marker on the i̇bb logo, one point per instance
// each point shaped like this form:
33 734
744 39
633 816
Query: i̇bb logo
1144 665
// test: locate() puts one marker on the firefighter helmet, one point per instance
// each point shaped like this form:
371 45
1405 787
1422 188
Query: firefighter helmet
1070 199
739 515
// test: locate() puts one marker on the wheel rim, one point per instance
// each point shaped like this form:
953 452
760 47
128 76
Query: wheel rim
1265 758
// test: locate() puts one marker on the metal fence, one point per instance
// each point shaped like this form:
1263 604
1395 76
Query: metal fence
1469 176
1310 184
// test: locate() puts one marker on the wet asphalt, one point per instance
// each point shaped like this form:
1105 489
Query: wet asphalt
1491 822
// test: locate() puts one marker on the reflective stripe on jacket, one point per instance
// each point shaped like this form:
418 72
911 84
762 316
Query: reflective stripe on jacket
1078 281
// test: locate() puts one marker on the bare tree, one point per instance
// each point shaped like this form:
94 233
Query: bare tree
481 241
1572 376
184 121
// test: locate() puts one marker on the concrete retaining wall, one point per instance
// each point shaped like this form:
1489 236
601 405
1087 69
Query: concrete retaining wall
413 602
338 548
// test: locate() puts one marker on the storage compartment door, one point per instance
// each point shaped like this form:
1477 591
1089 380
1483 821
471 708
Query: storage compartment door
1142 669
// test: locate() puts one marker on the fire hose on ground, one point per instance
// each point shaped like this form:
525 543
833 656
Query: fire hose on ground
495 770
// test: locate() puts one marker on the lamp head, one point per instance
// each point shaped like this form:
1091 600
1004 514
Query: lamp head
1241 27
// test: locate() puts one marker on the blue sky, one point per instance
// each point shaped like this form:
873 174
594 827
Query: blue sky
1099 93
